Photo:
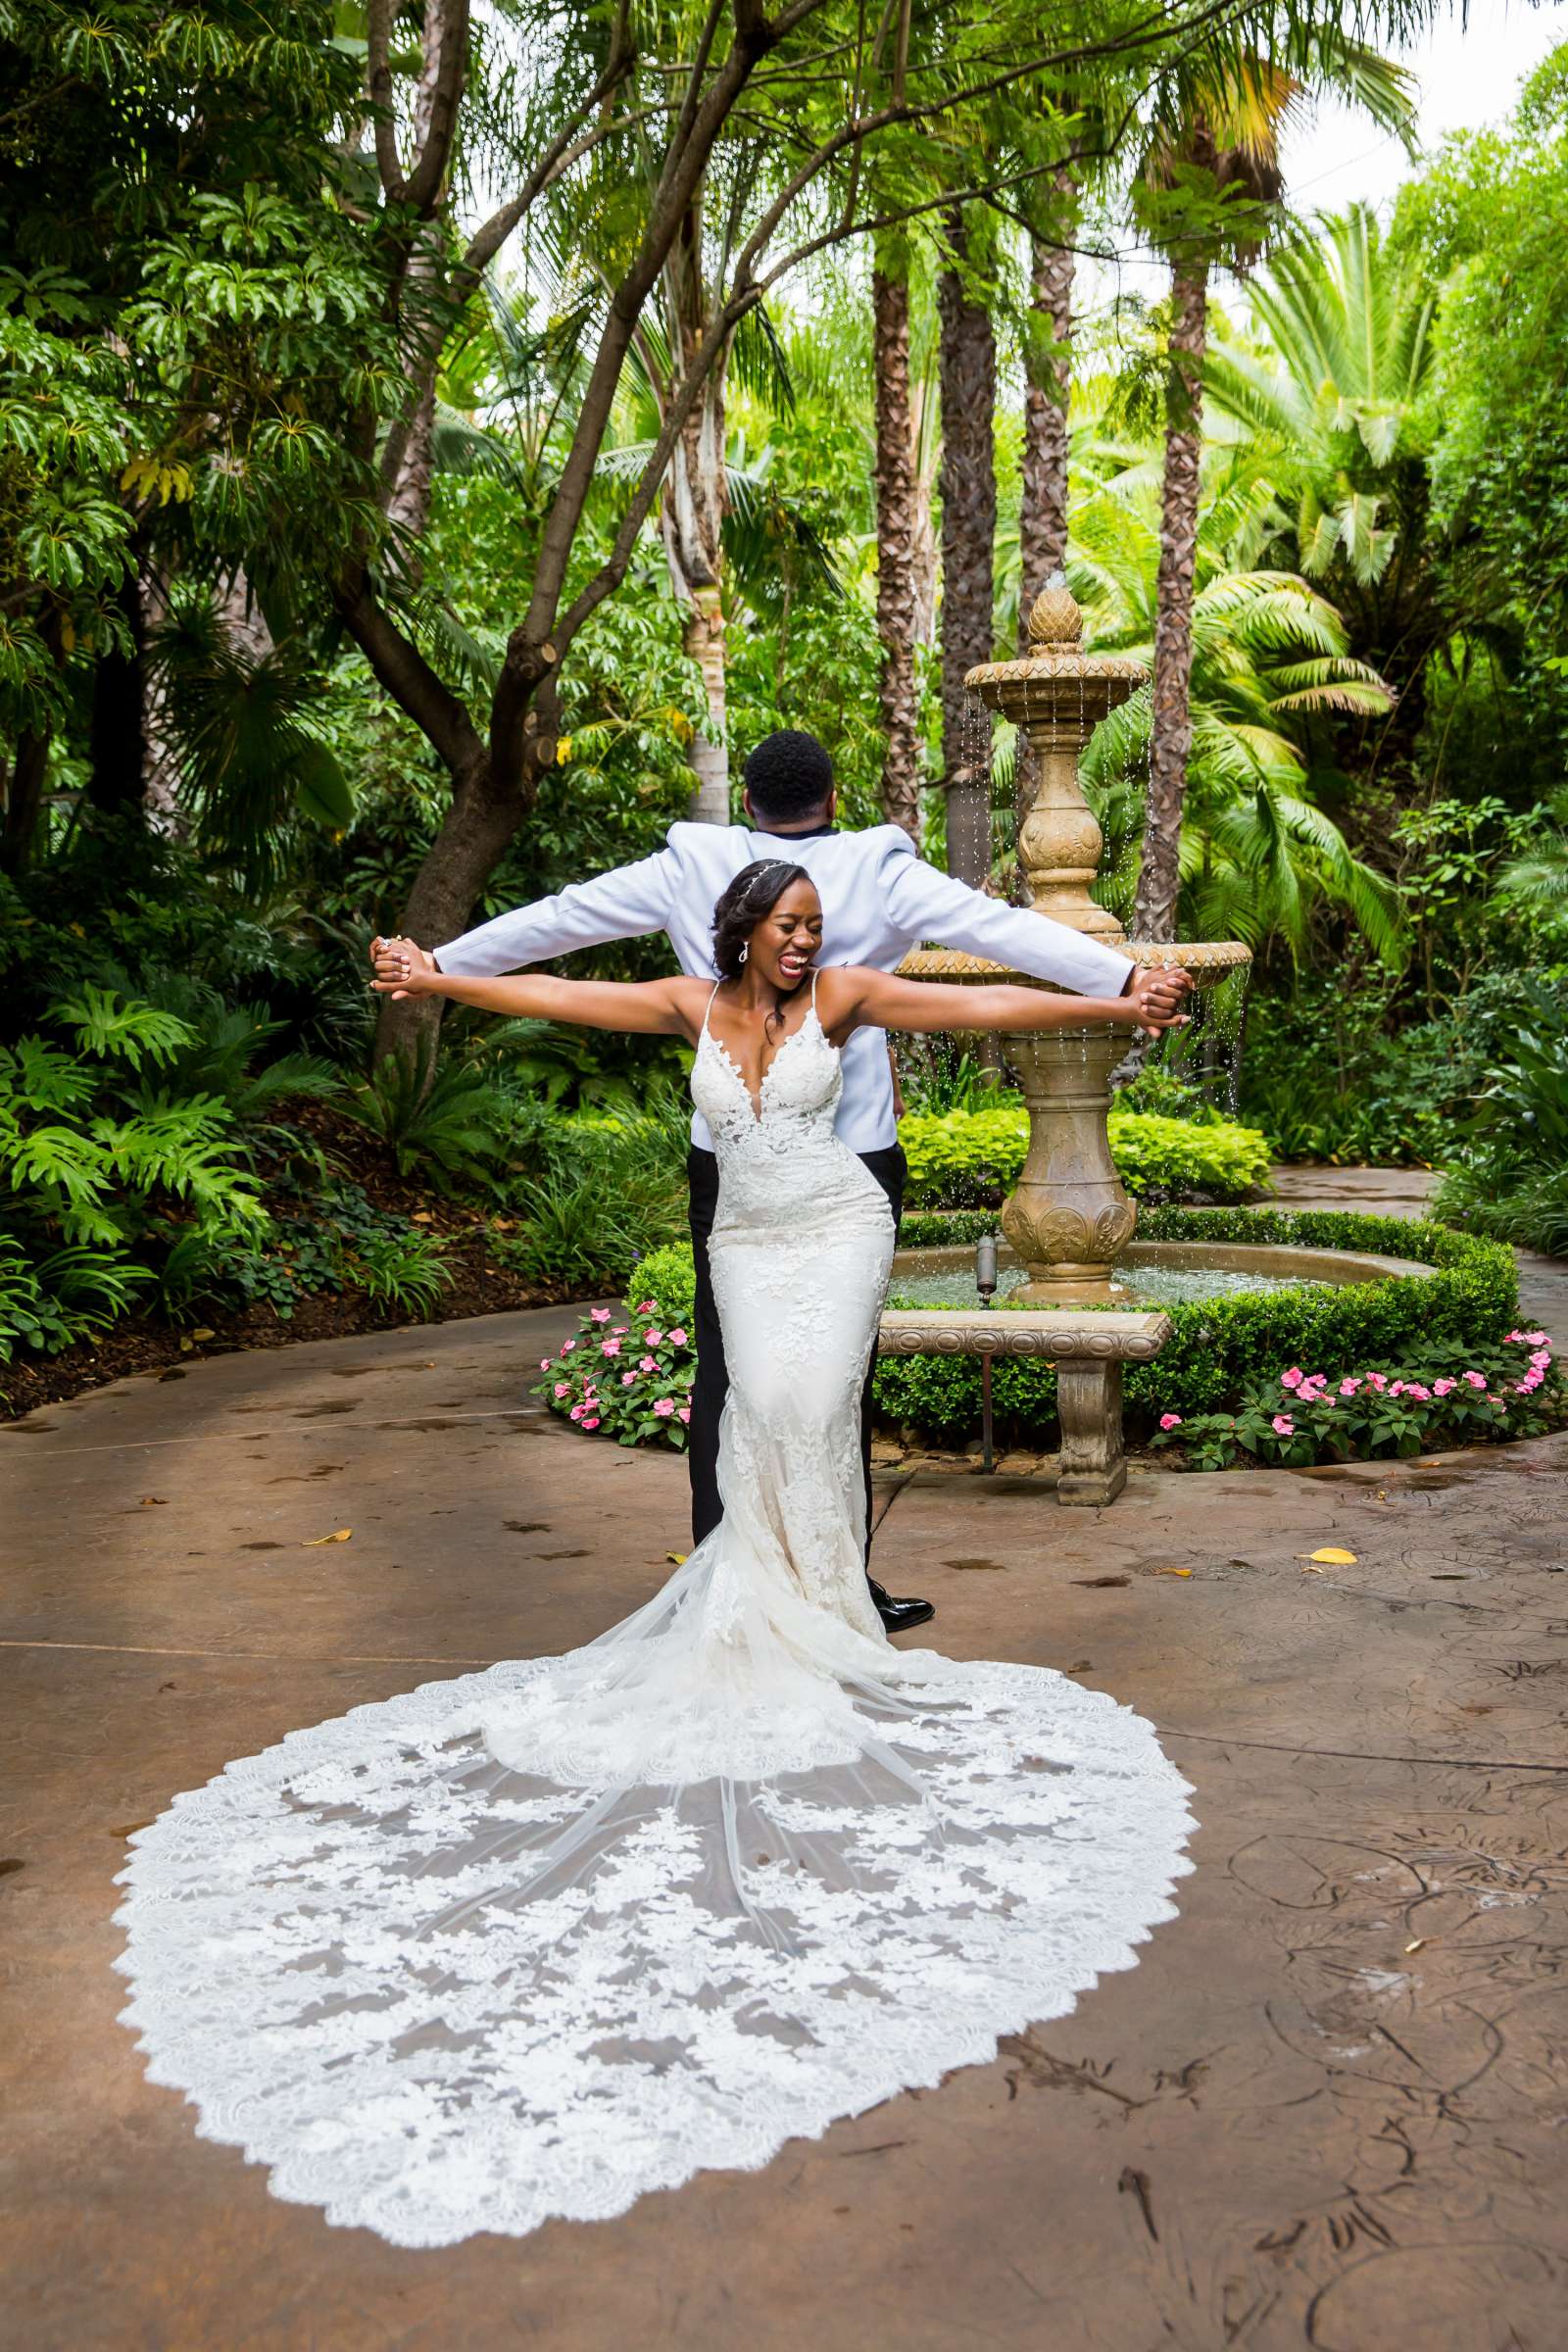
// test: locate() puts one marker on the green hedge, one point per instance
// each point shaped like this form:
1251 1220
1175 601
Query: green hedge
1220 1346
971 1155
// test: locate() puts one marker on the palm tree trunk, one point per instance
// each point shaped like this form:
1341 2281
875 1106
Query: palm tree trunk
969 488
895 541
1159 874
1048 375
1043 503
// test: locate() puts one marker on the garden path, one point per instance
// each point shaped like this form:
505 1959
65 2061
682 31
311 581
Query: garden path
1326 2108
1404 1193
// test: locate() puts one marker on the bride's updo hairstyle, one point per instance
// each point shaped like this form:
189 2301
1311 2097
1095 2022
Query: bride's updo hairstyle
753 895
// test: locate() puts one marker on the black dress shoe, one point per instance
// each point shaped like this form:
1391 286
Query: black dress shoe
899 1616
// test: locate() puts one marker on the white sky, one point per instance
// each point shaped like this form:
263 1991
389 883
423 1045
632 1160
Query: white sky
1469 74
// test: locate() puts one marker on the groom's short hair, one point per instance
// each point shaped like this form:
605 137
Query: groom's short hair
789 775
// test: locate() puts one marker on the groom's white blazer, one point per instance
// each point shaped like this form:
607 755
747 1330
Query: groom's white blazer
879 900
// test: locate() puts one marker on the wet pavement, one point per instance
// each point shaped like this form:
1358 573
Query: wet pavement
1329 2107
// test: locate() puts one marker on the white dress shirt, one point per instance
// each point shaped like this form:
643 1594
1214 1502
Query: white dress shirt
879 900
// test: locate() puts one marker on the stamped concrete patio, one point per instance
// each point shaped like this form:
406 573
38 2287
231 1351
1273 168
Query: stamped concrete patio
1330 2107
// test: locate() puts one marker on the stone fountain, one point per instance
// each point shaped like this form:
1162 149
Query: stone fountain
1069 1218
1069 1222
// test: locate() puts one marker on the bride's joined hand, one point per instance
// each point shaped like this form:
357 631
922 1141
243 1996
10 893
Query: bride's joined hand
402 968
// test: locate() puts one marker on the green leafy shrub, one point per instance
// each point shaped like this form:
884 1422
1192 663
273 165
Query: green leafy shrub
1221 1346
629 1380
967 1157
1439 1398
102 1169
608 1189
450 1122
669 1277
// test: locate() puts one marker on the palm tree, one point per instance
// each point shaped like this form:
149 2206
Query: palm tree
895 512
1268 659
968 490
1211 187
1338 385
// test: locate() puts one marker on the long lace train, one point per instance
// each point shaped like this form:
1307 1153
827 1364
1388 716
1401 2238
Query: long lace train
533 1941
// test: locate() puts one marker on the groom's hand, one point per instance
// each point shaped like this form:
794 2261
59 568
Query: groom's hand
395 961
1156 995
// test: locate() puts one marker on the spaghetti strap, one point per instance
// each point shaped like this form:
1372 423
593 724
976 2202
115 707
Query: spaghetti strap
813 988
707 1009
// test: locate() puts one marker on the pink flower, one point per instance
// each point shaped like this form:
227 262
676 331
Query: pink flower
1477 1380
620 1330
664 1408
685 1413
1414 1389
648 1307
1531 1339
544 1364
651 1339
1284 1426
1376 1380
1349 1387
610 1347
592 1423
648 1363
563 1388
1397 1388
677 1339
1441 1388
599 1315
628 1379
566 1347
1291 1379
577 1412
1170 1420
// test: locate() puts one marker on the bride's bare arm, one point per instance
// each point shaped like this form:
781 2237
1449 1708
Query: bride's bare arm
856 996
652 1008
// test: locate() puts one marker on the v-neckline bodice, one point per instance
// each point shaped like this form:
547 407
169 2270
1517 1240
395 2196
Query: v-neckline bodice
758 1102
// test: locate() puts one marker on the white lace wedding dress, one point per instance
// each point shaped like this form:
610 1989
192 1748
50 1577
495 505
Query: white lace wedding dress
536 1941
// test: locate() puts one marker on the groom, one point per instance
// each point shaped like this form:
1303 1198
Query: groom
879 900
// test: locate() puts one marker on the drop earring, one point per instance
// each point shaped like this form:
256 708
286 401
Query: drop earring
745 949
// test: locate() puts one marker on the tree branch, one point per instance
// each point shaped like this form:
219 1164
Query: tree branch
446 34
379 87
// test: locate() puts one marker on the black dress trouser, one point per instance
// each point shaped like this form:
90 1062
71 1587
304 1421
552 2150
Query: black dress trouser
712 1384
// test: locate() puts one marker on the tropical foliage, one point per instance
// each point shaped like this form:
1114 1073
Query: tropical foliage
429 453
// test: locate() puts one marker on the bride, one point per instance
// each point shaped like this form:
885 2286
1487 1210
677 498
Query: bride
531 1942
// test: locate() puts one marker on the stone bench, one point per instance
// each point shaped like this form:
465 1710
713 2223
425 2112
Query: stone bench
1087 1349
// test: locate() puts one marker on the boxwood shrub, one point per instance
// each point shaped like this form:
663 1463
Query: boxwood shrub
1221 1346
966 1157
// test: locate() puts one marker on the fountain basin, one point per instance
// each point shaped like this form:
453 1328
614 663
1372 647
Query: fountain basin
1089 1343
1088 1350
1174 1272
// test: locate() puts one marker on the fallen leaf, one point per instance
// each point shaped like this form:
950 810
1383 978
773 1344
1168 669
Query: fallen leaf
1173 1572
185 1343
679 1558
339 1535
420 1216
1332 1553
146 1499
204 1331
1418 1946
